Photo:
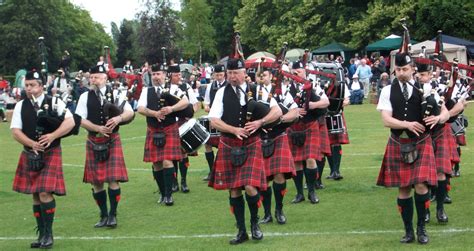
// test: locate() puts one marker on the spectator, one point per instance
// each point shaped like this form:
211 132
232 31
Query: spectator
128 68
352 68
377 70
357 59
383 63
356 89
4 84
209 71
364 72
383 81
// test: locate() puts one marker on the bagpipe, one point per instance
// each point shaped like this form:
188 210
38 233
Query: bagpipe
111 107
134 81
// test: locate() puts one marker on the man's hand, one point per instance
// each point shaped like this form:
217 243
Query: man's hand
415 127
113 122
165 110
37 147
46 140
302 112
431 121
104 130
253 126
241 133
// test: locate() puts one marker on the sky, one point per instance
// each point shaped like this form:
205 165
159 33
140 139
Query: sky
107 11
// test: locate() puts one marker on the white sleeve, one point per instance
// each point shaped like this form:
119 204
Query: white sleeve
384 100
16 117
320 92
289 99
217 108
273 102
81 108
127 107
143 100
121 98
207 96
192 96
62 107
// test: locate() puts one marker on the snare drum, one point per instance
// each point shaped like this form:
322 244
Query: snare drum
458 126
335 124
192 135
206 123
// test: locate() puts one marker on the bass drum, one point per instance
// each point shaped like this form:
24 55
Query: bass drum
192 135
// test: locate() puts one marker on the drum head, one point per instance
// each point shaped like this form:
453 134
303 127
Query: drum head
186 127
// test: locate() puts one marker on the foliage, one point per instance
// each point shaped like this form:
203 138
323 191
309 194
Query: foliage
222 19
198 35
63 26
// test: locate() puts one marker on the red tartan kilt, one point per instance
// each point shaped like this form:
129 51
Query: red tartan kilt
252 173
113 169
281 161
455 158
172 148
395 173
339 138
310 150
443 149
213 141
325 144
49 179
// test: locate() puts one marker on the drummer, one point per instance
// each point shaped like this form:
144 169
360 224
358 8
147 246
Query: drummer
162 144
183 164
211 90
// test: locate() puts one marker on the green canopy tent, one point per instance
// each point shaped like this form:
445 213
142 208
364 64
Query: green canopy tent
389 43
333 47
294 54
19 76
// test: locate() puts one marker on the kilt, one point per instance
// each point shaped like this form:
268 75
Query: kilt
213 141
340 138
455 158
442 149
172 148
281 161
395 173
252 173
324 145
49 179
310 150
461 139
113 169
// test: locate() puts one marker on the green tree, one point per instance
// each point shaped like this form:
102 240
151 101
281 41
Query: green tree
198 33
159 26
115 32
63 26
126 44
222 19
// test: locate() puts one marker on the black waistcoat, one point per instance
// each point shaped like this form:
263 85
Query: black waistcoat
153 103
214 89
95 111
405 110
29 118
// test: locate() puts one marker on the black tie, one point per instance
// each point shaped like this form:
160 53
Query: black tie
35 105
405 91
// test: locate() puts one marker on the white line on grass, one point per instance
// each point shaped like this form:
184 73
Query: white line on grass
271 234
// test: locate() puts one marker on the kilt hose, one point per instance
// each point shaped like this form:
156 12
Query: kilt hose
339 138
49 179
281 160
443 149
395 173
170 151
325 144
310 149
252 173
113 169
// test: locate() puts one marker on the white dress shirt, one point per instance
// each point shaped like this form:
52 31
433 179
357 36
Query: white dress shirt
81 108
143 100
384 100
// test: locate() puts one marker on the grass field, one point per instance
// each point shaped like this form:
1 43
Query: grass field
353 213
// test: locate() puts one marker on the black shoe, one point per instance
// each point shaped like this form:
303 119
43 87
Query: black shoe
338 176
457 173
112 221
241 237
280 217
427 216
409 237
161 200
421 234
184 187
47 241
313 198
441 216
35 244
298 198
175 187
448 200
169 201
266 219
102 222
207 177
319 185
330 177
257 234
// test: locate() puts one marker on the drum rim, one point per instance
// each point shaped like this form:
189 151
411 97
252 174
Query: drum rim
190 121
